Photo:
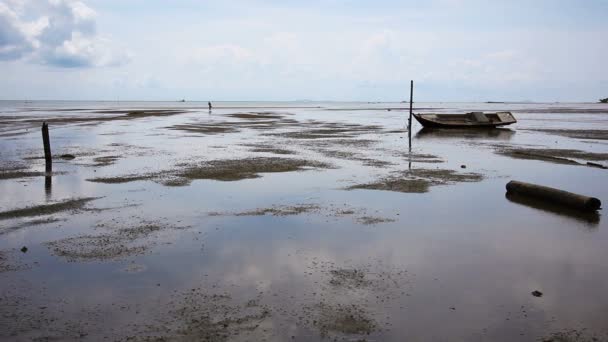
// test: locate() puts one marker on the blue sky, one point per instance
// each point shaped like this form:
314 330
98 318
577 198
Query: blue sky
455 50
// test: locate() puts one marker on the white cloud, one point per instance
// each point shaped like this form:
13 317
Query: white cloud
59 33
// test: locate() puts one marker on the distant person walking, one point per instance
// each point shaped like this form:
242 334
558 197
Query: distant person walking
210 106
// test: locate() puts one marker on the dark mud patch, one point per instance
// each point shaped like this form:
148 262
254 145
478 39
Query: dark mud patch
120 115
272 150
16 170
105 161
122 179
8 166
421 158
418 180
238 169
19 125
93 248
74 152
117 243
346 142
94 156
72 205
266 148
20 174
24 318
373 220
309 135
29 223
274 211
107 156
197 315
375 276
573 335
207 128
256 115
221 170
360 215
351 278
327 130
558 156
591 134
350 295
347 319
396 184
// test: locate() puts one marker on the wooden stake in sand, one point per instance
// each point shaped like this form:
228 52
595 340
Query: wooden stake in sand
47 147
409 125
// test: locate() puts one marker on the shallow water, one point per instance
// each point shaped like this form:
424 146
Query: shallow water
456 263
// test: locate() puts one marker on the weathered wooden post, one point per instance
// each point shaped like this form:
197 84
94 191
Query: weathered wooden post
409 125
47 147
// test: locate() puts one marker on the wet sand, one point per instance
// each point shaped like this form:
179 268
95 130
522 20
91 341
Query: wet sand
298 222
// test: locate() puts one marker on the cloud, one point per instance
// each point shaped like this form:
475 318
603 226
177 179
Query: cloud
60 33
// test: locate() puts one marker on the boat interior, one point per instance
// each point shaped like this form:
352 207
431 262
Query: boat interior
473 117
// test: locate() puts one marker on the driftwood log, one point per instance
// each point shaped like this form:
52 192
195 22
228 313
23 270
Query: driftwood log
556 196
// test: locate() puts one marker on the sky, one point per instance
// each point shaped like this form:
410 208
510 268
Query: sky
283 50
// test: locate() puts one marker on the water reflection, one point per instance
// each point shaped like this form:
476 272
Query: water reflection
48 185
591 218
479 133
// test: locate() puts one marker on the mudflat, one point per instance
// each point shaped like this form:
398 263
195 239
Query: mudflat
298 222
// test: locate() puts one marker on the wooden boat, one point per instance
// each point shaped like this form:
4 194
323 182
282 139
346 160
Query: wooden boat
468 120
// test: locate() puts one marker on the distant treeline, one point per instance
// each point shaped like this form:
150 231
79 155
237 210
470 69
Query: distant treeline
604 100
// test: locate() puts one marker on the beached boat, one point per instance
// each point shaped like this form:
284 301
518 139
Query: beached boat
468 120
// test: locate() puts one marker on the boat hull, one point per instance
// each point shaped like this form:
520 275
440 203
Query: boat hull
469 120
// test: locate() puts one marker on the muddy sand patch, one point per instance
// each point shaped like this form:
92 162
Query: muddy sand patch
590 134
116 243
267 148
573 335
373 220
281 211
118 115
28 224
421 158
348 319
350 295
257 115
418 180
204 128
95 157
20 174
198 315
18 170
221 170
324 130
319 134
558 156
72 205
360 215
